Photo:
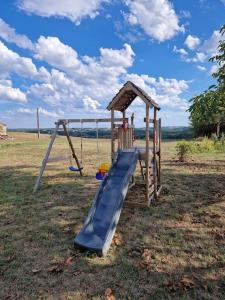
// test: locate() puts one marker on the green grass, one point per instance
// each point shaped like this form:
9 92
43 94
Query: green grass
173 250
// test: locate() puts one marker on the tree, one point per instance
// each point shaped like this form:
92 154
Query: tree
207 110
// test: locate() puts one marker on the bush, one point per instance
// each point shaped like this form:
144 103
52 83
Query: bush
220 143
201 145
184 150
205 145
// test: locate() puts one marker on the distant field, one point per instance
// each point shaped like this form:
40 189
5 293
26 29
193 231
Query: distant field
173 250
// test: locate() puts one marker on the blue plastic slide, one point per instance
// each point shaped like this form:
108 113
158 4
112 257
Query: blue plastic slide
100 225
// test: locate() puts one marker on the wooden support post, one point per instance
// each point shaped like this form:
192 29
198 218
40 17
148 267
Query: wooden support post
38 124
112 135
45 160
154 155
147 154
132 126
160 137
124 132
72 149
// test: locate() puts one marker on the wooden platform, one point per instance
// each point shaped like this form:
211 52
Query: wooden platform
142 153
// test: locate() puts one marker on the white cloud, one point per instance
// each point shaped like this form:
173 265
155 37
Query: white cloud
58 91
192 42
11 62
185 14
210 46
47 113
86 83
200 57
93 77
110 63
90 104
166 92
73 10
202 50
9 35
42 111
157 18
122 57
201 68
55 53
214 69
8 93
181 51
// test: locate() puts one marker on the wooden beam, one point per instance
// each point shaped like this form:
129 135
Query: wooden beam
106 120
112 135
44 162
132 126
159 152
151 120
147 153
154 154
72 150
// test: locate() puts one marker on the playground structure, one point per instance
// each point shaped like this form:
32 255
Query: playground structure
149 157
101 222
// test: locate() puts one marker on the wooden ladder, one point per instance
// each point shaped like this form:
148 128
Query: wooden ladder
151 173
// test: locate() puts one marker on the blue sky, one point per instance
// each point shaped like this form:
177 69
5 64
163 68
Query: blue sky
70 57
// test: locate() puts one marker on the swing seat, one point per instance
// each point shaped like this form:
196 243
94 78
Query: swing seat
73 169
99 176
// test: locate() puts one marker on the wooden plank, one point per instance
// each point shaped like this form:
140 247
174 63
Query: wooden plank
72 150
44 162
102 120
150 120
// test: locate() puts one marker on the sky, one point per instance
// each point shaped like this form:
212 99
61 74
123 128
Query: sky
70 57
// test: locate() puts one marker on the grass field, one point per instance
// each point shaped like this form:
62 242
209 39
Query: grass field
173 250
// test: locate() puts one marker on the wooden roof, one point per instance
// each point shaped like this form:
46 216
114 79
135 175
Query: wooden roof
126 96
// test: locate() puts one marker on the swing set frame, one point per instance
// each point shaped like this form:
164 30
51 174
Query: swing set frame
65 123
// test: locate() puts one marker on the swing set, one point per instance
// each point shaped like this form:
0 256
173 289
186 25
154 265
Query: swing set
75 165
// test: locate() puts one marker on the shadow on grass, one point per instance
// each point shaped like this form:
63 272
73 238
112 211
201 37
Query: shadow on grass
207 165
175 249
